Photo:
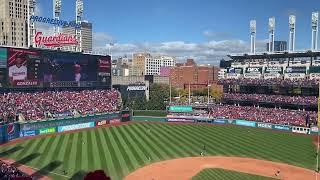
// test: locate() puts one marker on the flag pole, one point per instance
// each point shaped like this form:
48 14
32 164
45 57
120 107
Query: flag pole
189 95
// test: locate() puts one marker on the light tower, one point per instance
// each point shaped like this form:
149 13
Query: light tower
56 14
292 32
272 25
79 12
31 25
253 29
314 25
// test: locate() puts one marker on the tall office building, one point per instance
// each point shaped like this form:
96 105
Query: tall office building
278 46
153 65
86 32
139 64
13 26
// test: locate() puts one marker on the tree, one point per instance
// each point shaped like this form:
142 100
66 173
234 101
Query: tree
216 92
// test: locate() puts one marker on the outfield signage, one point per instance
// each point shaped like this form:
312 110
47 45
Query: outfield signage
179 120
264 125
115 121
180 108
55 22
28 133
220 121
245 123
281 127
102 123
75 127
47 130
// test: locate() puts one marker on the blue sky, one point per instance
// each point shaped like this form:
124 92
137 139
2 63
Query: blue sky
183 28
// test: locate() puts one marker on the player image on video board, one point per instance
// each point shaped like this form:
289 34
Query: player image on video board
62 66
23 67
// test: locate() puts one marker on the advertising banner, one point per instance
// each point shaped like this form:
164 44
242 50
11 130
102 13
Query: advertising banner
102 123
180 108
233 70
282 127
245 123
75 127
125 116
264 125
233 76
47 130
115 121
271 75
254 70
11 131
28 133
180 120
302 70
252 75
220 121
273 70
315 76
55 22
294 76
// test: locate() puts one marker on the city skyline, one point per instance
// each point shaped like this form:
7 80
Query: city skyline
204 30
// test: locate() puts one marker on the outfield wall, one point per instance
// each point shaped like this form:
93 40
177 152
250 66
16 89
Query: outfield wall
241 122
12 131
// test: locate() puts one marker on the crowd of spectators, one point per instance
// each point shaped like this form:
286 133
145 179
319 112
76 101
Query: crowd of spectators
274 81
8 172
261 114
278 99
40 105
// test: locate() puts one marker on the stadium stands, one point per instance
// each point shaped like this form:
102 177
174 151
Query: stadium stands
300 100
51 104
273 81
261 114
8 172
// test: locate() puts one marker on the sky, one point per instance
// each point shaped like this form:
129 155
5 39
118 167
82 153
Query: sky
206 30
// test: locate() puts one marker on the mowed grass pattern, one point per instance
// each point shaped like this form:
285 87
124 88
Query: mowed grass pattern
123 149
221 174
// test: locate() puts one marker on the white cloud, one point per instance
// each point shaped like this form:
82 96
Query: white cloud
210 52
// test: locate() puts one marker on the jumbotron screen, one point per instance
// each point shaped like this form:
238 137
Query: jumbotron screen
27 67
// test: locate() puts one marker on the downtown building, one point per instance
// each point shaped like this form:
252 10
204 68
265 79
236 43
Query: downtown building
13 23
189 73
139 60
153 65
86 37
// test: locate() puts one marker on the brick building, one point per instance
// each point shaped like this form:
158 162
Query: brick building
197 75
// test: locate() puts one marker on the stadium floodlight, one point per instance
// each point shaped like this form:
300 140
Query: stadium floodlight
31 25
272 26
253 30
56 14
79 12
292 35
314 26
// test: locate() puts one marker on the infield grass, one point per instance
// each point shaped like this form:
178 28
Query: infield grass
222 174
123 149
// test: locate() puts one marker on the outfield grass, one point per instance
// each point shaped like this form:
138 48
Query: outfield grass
121 150
220 174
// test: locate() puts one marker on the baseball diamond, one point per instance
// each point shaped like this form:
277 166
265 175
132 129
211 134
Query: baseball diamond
121 150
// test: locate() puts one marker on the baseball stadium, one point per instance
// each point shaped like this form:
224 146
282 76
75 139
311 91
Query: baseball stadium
62 117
